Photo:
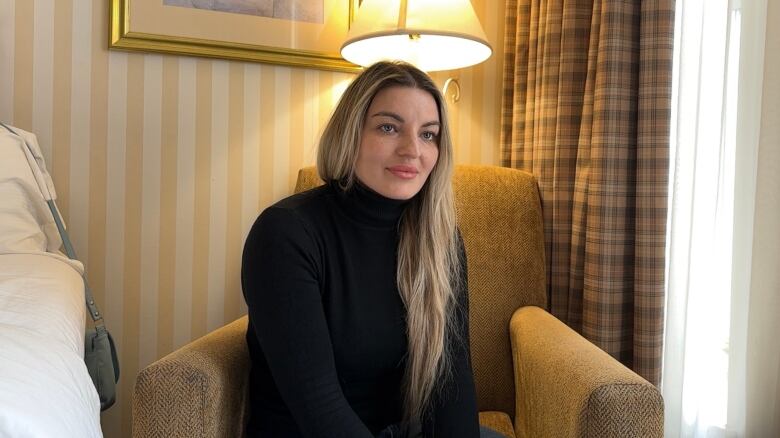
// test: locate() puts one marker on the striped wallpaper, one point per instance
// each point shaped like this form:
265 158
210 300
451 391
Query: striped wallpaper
161 163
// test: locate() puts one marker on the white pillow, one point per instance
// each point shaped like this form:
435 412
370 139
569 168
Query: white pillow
23 211
26 222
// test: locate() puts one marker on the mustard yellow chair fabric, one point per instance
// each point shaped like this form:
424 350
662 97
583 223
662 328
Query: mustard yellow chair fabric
534 376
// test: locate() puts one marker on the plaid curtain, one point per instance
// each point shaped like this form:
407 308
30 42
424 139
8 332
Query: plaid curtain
586 109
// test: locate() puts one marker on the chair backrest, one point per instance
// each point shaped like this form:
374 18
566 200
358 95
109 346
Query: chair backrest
500 219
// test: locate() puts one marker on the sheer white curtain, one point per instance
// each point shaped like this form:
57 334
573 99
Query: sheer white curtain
714 303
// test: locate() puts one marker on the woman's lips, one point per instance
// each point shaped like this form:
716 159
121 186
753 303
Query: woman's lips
405 172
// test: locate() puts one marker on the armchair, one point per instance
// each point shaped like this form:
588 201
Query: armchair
534 376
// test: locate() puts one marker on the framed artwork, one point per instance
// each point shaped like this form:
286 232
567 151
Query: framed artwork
301 33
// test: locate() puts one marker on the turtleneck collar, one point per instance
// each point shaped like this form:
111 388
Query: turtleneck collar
368 207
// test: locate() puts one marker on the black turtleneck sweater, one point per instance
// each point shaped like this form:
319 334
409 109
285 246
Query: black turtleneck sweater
327 332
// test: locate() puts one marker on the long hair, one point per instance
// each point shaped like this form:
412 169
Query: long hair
428 260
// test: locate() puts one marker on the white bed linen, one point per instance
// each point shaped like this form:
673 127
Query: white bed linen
45 389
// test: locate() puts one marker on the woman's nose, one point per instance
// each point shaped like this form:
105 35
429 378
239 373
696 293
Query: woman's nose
409 147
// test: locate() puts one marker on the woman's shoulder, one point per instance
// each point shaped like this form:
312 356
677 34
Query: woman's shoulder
294 211
303 201
303 204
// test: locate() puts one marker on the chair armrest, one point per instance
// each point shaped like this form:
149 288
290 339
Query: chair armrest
567 387
198 390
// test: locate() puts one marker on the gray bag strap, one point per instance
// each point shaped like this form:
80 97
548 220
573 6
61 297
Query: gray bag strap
97 318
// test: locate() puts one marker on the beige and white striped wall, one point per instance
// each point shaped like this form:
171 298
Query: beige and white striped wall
162 162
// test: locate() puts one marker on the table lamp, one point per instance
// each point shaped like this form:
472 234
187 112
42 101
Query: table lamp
430 34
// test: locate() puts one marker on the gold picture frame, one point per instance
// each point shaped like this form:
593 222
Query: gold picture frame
150 26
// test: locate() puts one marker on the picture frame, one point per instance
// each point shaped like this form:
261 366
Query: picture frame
152 26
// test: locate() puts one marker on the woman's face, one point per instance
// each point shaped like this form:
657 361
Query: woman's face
400 142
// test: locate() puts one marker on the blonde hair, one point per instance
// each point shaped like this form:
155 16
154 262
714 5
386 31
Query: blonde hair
428 272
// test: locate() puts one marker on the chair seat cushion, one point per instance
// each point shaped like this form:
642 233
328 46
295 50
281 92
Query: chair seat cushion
498 421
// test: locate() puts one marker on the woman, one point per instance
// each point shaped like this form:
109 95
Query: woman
358 310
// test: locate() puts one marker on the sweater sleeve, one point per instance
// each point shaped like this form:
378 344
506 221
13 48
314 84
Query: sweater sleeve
280 279
455 409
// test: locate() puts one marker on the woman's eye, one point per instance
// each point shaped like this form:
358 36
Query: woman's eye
387 128
429 136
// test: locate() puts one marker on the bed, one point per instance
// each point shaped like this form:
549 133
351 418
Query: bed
45 389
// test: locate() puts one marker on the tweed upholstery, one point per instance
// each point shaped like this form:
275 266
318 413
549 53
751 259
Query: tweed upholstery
568 387
560 384
498 421
504 242
197 391
307 179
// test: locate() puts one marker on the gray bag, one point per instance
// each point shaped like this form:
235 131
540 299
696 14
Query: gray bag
99 351
102 364
100 354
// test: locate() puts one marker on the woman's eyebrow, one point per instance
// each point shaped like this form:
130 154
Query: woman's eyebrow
400 119
389 114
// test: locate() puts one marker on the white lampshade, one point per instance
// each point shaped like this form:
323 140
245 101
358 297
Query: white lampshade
430 34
